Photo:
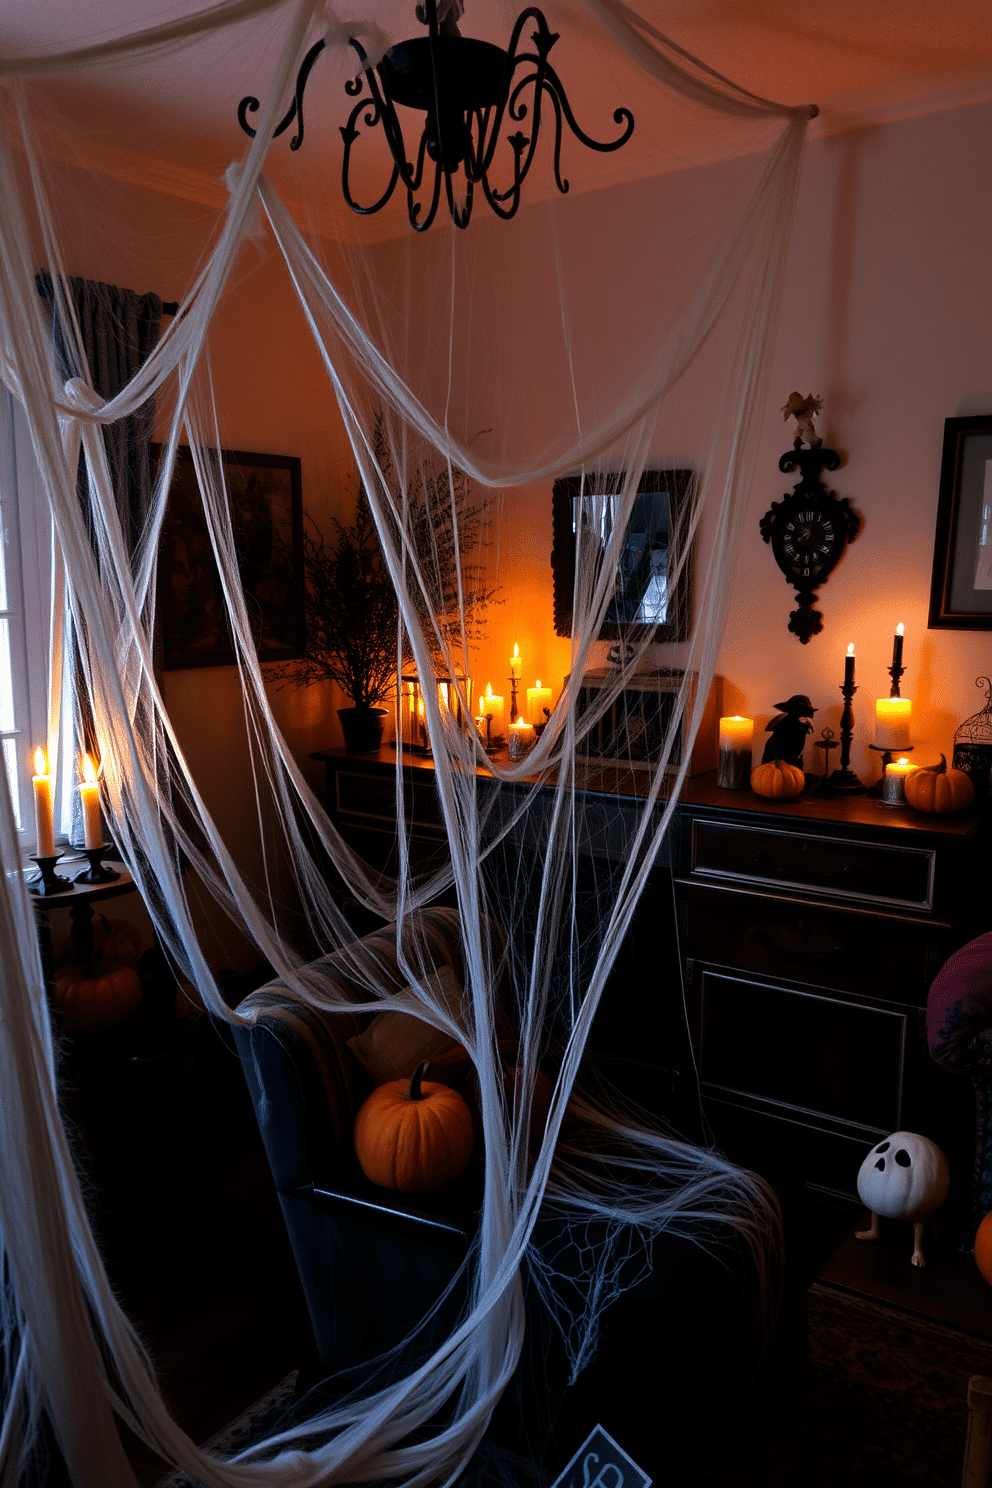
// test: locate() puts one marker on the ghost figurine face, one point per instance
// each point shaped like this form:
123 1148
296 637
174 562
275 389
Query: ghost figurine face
905 1177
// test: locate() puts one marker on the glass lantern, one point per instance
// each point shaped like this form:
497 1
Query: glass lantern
412 722
973 744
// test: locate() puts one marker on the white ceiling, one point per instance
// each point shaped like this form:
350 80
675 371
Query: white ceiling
173 126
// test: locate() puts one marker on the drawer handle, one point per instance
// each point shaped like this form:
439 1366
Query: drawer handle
772 865
767 944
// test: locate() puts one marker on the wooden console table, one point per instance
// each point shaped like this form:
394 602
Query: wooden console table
809 933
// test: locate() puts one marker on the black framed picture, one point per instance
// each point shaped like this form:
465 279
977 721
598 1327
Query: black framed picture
961 588
643 594
266 498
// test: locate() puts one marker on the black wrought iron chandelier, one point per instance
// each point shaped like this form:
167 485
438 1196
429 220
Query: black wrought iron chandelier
466 88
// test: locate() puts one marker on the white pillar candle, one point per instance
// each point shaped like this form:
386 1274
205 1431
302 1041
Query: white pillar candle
492 707
734 759
521 738
44 816
894 785
538 698
893 718
89 797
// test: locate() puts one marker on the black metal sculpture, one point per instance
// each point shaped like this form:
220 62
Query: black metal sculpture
465 87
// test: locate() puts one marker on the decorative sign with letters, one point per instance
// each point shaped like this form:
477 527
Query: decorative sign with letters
600 1463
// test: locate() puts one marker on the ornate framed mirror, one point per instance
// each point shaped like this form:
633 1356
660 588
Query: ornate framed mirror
642 593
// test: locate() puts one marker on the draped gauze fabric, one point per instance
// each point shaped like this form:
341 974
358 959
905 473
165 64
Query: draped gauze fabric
489 351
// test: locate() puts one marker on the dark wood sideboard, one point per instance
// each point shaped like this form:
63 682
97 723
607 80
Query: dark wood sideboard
808 931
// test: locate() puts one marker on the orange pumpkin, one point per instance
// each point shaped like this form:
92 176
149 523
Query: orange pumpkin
778 780
93 995
414 1136
983 1248
938 789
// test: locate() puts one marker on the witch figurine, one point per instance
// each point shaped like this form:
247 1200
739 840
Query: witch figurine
788 731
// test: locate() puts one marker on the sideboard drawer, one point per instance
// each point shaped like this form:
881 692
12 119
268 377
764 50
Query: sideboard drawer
826 865
824 945
805 1055
374 797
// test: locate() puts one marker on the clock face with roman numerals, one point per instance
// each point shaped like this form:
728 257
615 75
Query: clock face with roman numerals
807 531
809 543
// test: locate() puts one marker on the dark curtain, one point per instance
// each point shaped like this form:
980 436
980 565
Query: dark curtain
119 329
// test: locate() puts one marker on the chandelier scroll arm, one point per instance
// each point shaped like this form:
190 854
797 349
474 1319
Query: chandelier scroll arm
350 134
251 105
413 207
496 199
620 116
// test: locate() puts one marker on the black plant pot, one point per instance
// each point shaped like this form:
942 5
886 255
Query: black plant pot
362 729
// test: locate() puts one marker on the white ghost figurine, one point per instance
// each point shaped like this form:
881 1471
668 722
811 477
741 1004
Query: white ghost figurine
904 1177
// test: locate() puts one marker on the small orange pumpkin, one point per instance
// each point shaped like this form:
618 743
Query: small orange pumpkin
778 780
414 1136
94 995
935 788
983 1248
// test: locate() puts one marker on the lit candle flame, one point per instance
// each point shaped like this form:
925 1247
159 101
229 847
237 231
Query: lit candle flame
900 630
489 689
40 761
88 770
516 651
903 761
850 649
538 681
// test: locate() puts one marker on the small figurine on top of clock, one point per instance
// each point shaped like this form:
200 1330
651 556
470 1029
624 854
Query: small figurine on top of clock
803 410
788 730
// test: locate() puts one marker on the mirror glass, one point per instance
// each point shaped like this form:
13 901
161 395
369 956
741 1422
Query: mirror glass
642 594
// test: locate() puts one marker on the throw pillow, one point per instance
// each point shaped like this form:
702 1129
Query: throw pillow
396 1042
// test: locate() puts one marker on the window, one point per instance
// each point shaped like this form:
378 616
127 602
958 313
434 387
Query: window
25 579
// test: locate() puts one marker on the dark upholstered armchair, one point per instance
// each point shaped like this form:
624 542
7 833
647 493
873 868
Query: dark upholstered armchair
371 1262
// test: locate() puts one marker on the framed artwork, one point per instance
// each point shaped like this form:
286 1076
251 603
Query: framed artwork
961 588
642 595
266 498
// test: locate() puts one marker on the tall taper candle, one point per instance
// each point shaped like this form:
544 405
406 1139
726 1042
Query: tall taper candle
44 820
849 666
897 645
89 798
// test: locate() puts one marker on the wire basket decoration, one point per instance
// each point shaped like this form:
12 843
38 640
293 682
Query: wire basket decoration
973 744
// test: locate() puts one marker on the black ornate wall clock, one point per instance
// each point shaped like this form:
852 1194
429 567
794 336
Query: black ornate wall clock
807 530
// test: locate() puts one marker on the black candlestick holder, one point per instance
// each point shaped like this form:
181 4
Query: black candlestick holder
514 711
49 882
97 872
843 781
895 672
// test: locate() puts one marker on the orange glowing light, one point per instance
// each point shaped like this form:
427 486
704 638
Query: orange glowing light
40 762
